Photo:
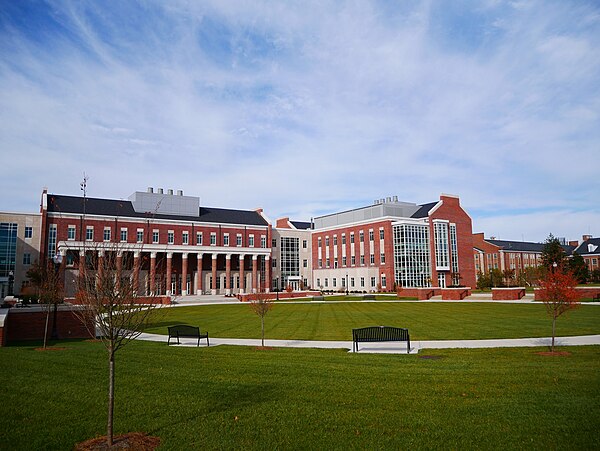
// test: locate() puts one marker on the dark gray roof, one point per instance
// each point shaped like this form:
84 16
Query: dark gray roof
124 208
524 246
423 210
585 249
301 225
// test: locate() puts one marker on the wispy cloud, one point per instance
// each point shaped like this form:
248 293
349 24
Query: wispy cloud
309 107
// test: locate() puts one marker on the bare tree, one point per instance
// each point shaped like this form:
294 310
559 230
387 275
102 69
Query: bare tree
261 304
110 307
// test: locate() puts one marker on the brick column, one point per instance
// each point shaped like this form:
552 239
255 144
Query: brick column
228 274
184 269
254 274
242 275
267 273
136 272
199 275
214 274
152 273
169 270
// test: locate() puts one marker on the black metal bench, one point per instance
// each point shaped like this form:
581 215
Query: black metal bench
378 334
368 297
184 331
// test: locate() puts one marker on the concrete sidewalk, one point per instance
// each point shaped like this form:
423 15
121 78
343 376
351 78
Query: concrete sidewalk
389 348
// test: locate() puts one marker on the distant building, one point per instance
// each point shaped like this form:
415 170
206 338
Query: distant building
589 249
291 255
20 235
394 243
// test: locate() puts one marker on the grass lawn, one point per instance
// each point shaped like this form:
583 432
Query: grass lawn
425 321
244 398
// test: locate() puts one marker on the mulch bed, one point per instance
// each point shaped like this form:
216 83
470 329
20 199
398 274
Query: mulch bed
137 441
555 353
263 348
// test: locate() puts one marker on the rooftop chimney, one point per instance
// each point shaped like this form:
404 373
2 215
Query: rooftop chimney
395 198
180 192
587 237
150 189
170 192
160 191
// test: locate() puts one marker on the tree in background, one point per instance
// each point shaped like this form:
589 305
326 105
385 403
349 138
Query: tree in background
529 276
595 276
578 267
48 283
261 305
557 291
508 275
111 310
553 253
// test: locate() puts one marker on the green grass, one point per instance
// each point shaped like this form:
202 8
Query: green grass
425 321
303 398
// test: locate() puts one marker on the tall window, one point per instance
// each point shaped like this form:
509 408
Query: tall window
290 257
27 258
89 233
381 235
226 239
371 235
251 241
411 255
454 253
362 260
335 240
124 235
213 239
343 238
71 233
238 240
52 241
106 236
139 235
170 237
326 241
361 236
304 244
352 238
199 238
382 258
185 237
155 236
8 247
442 258
28 232
263 241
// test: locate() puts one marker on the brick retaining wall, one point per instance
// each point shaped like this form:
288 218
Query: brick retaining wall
508 294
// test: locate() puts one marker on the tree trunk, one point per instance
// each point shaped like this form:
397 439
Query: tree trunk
111 396
553 331
262 325
46 327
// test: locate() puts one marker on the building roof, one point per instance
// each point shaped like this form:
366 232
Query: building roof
589 247
524 246
124 208
301 225
423 211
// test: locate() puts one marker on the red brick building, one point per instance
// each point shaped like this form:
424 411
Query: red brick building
394 243
589 249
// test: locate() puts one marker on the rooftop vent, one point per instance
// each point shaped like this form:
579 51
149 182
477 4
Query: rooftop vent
150 189
170 192
180 192
160 191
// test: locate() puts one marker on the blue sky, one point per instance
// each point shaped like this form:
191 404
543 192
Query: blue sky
305 108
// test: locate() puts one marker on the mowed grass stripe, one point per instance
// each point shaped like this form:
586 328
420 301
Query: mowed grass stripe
426 321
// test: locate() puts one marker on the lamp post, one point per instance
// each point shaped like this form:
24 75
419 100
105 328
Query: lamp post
277 283
347 284
57 259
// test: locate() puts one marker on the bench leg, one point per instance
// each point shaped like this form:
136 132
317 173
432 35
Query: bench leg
408 347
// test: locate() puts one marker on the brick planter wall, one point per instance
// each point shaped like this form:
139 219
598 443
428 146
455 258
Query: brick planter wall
24 324
455 294
584 292
282 295
164 300
420 293
508 294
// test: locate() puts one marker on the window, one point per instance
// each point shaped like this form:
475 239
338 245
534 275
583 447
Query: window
27 258
361 236
274 264
199 238
353 260
343 239
352 238
352 282
213 239
305 263
28 232
226 239
263 241
381 235
383 281
89 233
335 262
124 235
326 241
106 235
170 237
327 263
155 236
274 242
344 260
185 238
334 280
318 282
319 242
238 240
326 282
320 263
304 244
362 260
71 233
139 236
372 259
52 232
335 240
371 235
362 281
382 258
251 241
373 282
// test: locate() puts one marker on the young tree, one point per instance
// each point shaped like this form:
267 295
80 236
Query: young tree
553 253
112 311
509 277
557 291
261 305
47 280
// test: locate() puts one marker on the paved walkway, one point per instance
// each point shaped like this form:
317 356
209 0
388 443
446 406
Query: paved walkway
381 348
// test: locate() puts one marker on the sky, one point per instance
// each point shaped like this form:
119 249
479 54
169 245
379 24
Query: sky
306 108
